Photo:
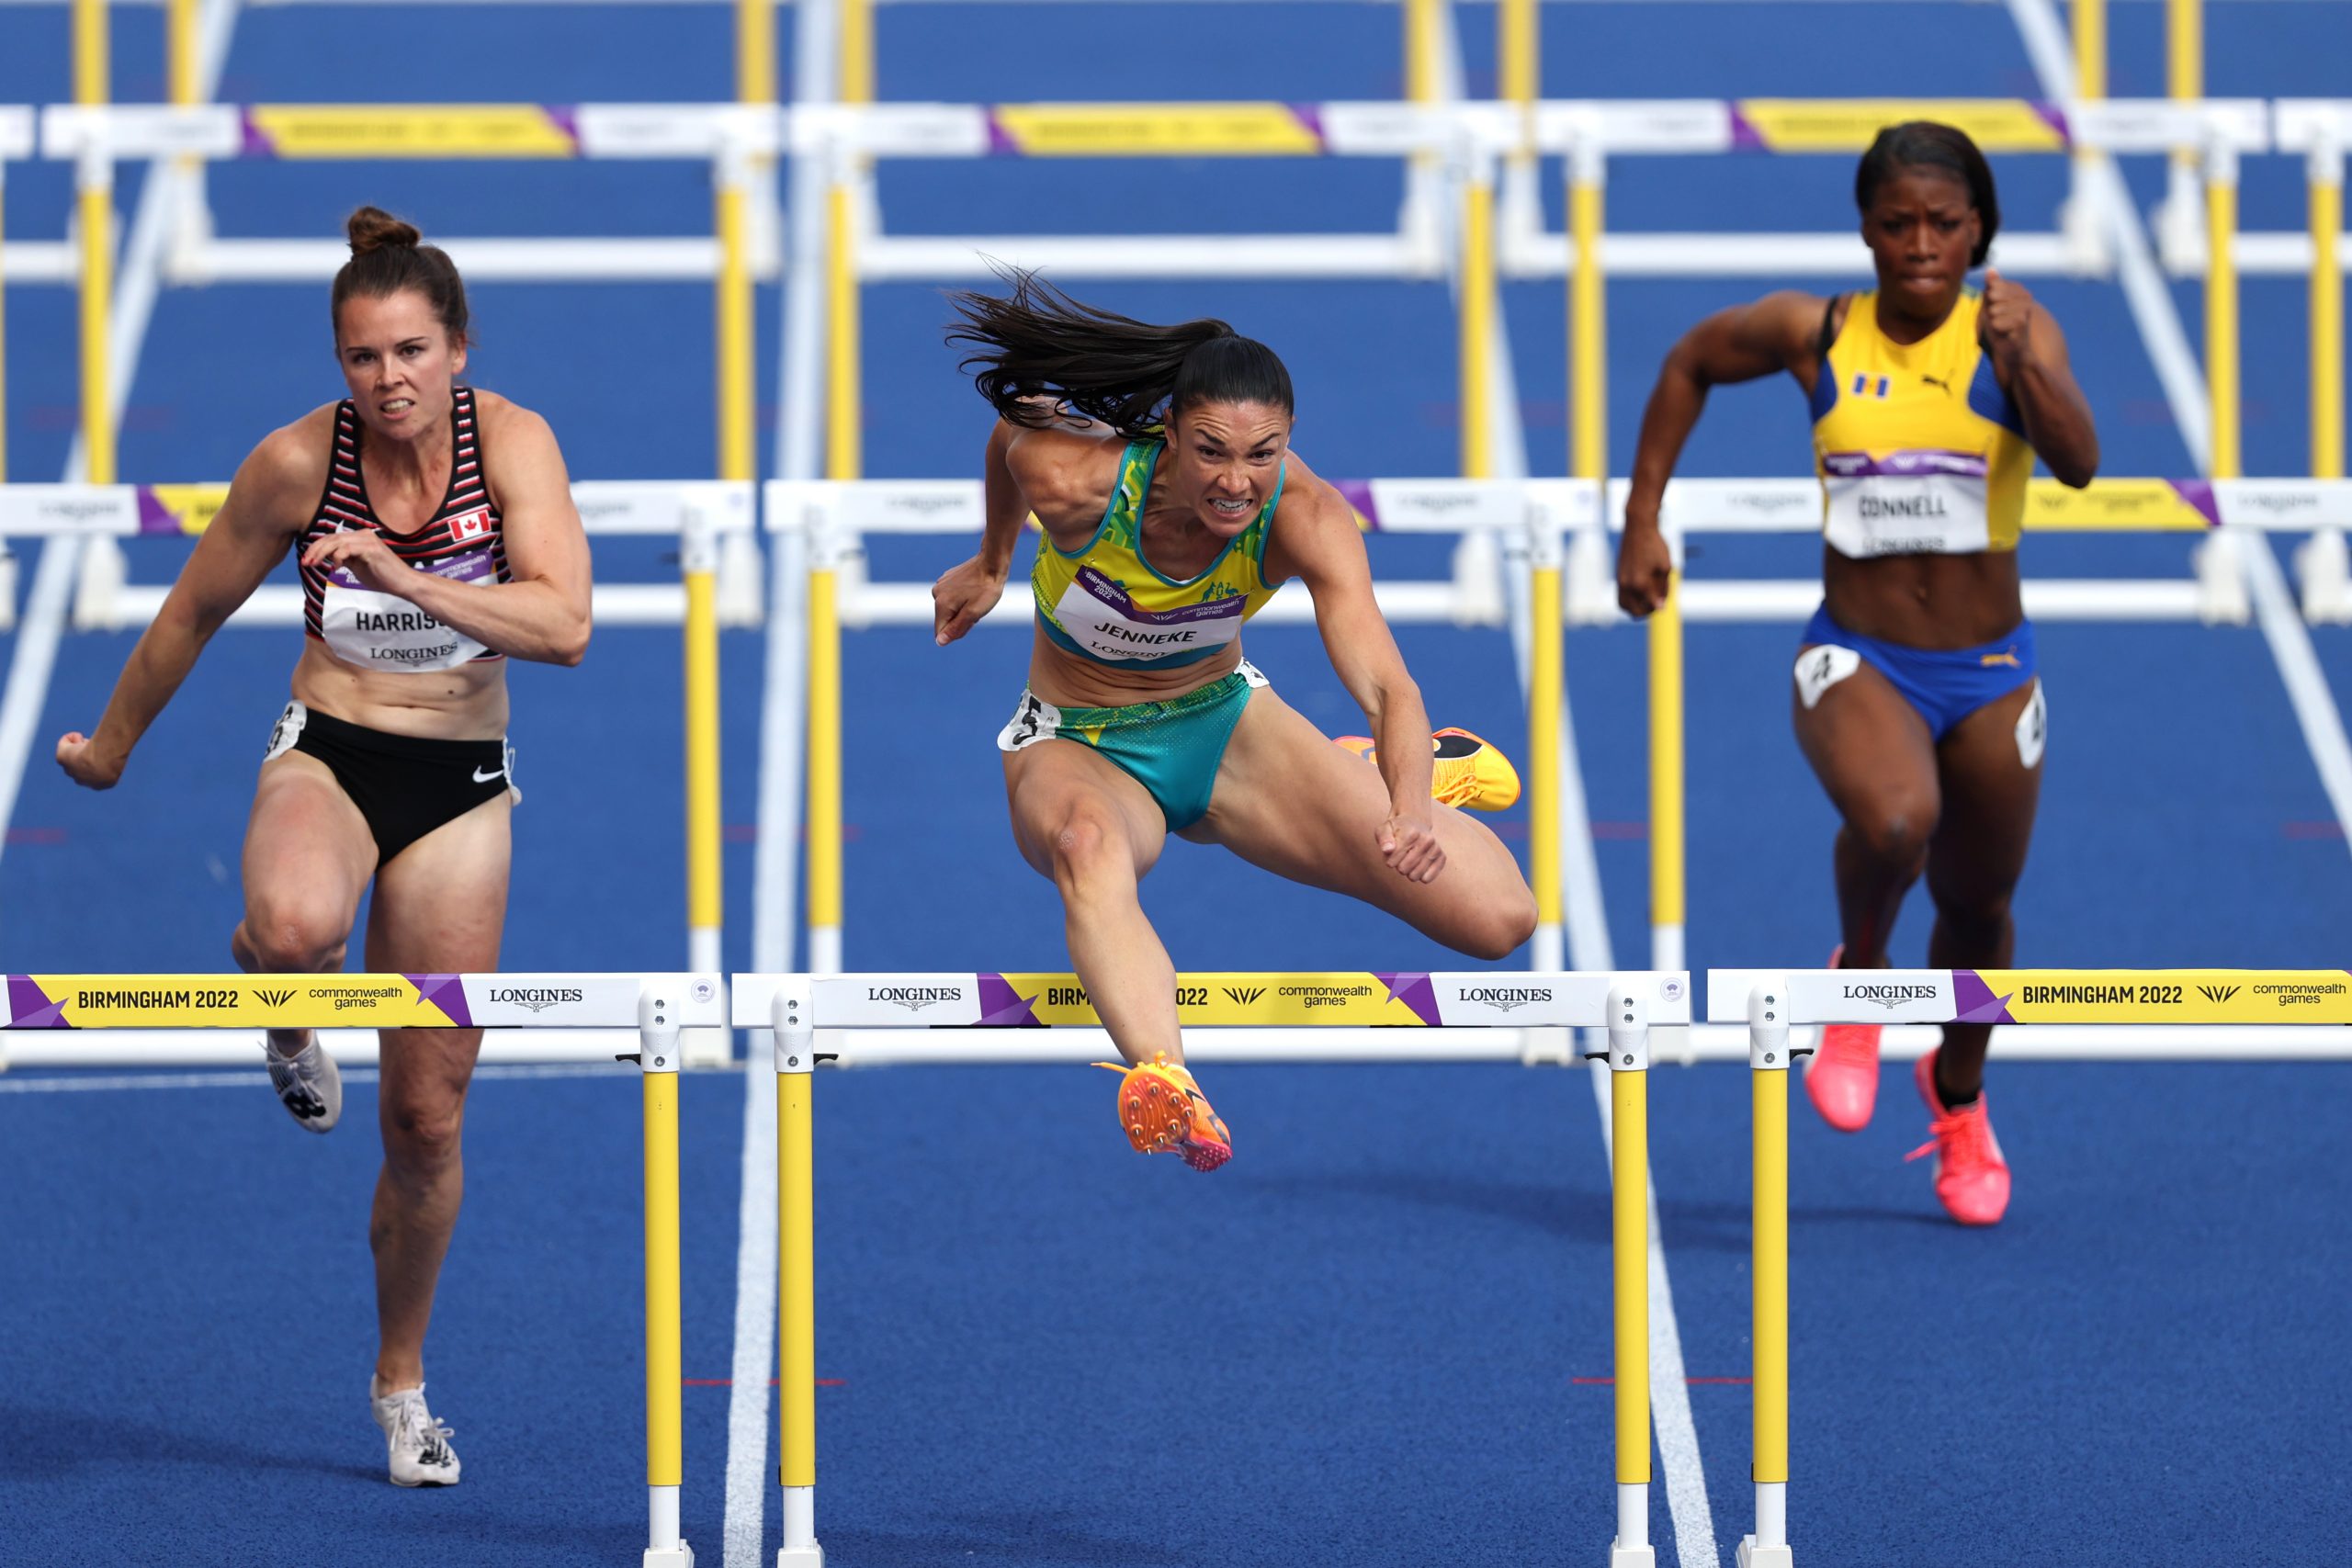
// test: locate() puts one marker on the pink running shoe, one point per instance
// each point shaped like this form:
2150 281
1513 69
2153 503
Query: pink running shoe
1972 1179
1841 1078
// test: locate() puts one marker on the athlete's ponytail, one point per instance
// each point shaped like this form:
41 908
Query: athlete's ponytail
1924 144
385 258
1040 352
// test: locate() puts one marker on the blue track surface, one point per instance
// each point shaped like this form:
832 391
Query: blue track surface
1362 1341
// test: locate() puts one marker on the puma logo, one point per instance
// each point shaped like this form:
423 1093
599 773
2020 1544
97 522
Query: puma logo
1939 383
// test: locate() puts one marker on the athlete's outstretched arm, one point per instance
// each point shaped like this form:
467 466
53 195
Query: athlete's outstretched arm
1317 538
2028 355
1776 333
265 507
542 612
1049 472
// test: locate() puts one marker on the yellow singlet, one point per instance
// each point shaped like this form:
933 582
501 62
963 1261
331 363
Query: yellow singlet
1106 603
1919 450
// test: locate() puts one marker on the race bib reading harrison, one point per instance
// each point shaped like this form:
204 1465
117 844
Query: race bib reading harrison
382 631
1905 503
1099 617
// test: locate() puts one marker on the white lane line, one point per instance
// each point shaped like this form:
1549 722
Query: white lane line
755 1285
1586 923
2317 713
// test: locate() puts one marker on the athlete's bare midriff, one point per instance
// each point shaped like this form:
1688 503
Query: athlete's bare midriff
464 703
1925 600
1068 680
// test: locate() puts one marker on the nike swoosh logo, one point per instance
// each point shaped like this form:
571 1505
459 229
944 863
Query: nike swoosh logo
481 777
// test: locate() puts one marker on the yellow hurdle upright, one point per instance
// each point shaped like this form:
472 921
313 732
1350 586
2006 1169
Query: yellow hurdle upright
1768 1060
657 1059
794 1018
1629 1168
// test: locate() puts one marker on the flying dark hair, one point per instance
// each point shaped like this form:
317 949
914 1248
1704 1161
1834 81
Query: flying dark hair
1924 144
387 258
1040 352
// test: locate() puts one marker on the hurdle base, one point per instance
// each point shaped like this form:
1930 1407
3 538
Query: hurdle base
678 1556
809 1556
1631 1556
1754 1556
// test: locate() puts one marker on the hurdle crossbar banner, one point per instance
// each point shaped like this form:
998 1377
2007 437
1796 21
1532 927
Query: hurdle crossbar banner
2012 996
657 1007
1483 999
1617 1011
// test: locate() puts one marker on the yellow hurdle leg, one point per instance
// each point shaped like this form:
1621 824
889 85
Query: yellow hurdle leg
795 1298
1768 1060
665 1369
1629 1168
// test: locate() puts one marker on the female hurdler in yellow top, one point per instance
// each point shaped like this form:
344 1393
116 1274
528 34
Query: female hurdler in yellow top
1156 461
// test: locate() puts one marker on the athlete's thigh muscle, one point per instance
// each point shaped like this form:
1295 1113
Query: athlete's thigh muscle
1990 794
1869 747
1055 785
441 903
308 852
1288 800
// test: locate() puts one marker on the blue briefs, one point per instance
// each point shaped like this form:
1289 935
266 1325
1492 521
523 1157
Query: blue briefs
1944 684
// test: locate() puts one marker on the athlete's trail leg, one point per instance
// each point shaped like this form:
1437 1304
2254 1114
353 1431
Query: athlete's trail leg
1290 801
306 858
1990 797
440 908
1095 831
1872 753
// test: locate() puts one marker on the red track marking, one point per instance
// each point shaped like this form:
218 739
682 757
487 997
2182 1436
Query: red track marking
36 835
1609 831
1604 1382
2314 829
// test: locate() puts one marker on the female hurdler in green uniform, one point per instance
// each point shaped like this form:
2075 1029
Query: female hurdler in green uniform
1156 461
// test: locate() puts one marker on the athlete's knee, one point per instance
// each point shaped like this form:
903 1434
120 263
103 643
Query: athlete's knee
1896 833
290 939
1976 920
1088 844
422 1139
1501 926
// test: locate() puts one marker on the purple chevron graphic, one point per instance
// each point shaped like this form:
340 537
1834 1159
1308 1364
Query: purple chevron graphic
29 1007
446 992
2199 493
1416 992
1002 1007
1976 1000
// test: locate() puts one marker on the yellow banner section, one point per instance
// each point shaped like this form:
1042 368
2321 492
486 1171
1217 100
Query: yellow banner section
2149 505
218 1001
1849 124
1124 130
193 507
412 130
2173 996
1268 1000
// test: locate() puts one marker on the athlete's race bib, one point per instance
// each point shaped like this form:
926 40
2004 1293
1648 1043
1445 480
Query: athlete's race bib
1904 503
382 631
1101 618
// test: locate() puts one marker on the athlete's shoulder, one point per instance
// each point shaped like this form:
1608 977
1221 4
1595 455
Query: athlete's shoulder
292 461
1065 471
496 416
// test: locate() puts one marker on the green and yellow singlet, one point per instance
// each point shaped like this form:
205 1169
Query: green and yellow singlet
1106 603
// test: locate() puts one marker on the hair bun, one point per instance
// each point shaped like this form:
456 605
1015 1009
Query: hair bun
373 228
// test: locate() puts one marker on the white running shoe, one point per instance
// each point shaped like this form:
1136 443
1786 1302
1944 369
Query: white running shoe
418 1445
308 1082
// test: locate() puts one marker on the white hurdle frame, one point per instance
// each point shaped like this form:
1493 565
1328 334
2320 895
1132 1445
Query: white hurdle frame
653 1007
1616 1010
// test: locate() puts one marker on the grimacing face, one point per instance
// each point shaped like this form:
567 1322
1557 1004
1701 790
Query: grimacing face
1922 227
1226 458
398 361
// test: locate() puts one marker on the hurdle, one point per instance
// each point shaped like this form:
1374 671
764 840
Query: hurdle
1616 1010
1770 1001
657 1007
